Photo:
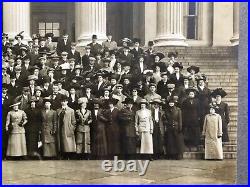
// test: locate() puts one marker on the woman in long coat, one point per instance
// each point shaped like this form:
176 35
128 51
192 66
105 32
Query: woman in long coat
173 131
98 135
223 110
190 118
144 128
113 128
16 119
203 96
48 135
66 124
127 129
83 122
212 130
158 134
33 127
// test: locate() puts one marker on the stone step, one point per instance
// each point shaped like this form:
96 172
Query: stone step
200 155
224 84
221 73
201 148
227 80
207 66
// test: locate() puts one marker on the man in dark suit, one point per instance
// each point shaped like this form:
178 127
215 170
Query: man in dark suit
91 68
34 55
26 67
55 97
5 42
63 44
136 51
85 57
98 88
140 65
162 85
177 78
95 47
73 53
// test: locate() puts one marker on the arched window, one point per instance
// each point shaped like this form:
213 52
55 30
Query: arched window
191 16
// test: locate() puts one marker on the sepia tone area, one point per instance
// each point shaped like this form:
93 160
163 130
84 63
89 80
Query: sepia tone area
90 172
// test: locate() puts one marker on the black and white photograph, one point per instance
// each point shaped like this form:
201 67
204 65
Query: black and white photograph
120 92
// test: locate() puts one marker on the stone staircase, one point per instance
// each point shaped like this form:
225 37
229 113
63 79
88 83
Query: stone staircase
219 64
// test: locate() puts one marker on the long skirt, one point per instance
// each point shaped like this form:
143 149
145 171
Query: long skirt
157 140
174 142
17 145
82 142
192 135
225 137
129 145
213 148
101 147
146 143
49 149
32 141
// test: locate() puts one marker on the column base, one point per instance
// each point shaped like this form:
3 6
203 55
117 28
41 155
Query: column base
85 39
171 40
235 40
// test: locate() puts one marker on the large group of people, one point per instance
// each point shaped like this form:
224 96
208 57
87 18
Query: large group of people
124 101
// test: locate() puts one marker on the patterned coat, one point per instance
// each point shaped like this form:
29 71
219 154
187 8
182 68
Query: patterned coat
212 130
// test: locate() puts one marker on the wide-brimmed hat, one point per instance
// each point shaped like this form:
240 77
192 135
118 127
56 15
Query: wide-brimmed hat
191 89
31 77
23 48
156 101
82 100
128 101
143 101
200 77
195 68
38 88
15 103
127 40
160 55
19 36
33 99
165 73
174 54
177 64
112 101
64 53
219 91
49 35
78 66
171 86
46 99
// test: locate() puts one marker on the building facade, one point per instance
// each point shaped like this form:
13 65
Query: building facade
168 24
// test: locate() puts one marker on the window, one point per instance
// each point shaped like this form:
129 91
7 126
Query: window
192 21
49 27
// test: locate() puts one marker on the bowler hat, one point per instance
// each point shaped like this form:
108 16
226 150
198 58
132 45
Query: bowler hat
94 36
150 43
49 35
191 89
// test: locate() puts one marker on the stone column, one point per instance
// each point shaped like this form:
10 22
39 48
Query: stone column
90 19
170 25
16 18
236 20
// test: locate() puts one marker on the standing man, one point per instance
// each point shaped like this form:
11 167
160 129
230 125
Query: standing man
63 44
109 43
73 53
66 125
95 47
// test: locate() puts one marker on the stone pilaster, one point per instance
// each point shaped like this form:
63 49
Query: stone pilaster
236 19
